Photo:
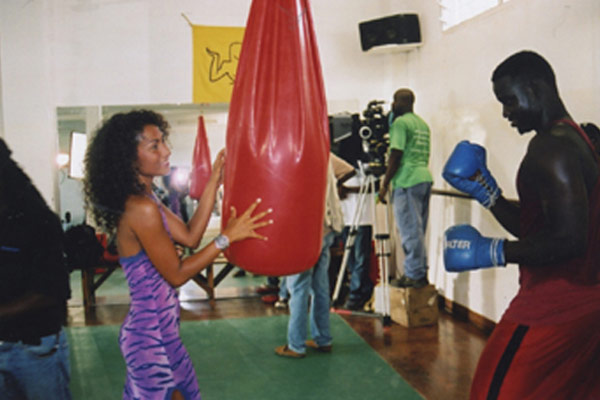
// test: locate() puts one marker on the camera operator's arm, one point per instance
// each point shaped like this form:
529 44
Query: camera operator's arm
341 188
341 169
392 168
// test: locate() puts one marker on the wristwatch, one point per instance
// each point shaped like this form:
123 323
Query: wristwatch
222 242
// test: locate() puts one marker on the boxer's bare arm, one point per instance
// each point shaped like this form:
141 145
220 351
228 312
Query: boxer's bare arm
507 213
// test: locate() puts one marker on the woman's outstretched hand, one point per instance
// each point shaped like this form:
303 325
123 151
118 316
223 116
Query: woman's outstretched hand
244 226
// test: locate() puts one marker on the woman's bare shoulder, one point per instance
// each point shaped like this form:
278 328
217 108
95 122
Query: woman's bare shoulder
140 209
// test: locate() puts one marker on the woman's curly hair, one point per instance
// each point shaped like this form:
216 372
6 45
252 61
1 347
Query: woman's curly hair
111 173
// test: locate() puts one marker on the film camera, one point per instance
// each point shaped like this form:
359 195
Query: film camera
374 132
362 138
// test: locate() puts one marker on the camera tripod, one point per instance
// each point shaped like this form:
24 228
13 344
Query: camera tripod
366 193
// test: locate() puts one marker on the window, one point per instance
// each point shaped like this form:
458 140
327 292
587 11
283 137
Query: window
78 147
453 12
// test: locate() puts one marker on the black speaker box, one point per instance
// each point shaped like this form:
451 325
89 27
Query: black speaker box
396 29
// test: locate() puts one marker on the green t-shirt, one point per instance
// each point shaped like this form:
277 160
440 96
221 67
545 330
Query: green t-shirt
410 134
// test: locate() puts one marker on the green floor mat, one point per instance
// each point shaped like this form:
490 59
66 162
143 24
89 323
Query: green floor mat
235 359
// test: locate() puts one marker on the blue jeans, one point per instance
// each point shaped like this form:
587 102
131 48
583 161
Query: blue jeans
359 261
283 291
315 281
411 210
35 372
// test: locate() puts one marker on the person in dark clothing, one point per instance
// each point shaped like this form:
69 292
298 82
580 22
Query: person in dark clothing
34 289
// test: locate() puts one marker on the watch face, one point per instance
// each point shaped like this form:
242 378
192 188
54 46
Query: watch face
222 242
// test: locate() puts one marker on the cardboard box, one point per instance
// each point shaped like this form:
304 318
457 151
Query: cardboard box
412 307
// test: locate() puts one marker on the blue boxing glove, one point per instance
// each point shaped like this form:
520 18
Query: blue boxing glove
466 171
465 249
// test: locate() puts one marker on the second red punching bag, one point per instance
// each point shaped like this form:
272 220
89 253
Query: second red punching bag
201 167
278 139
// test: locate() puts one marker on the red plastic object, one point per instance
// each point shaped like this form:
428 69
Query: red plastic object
278 139
201 165
373 265
107 256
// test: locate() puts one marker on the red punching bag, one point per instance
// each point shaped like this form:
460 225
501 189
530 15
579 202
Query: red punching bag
201 166
278 139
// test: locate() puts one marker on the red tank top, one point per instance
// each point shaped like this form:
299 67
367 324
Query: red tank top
562 292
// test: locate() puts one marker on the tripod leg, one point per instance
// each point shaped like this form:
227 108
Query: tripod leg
385 283
386 254
383 254
348 245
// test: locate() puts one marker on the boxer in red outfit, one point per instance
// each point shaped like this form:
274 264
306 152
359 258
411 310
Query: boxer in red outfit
546 346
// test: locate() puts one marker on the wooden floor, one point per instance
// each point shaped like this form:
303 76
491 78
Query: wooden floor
438 361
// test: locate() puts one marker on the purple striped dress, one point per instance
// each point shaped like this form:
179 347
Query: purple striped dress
157 362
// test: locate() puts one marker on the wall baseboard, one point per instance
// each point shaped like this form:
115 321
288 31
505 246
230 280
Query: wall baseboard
462 313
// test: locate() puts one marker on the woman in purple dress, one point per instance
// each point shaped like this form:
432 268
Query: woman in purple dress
128 151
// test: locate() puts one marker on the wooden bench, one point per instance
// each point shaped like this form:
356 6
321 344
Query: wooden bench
107 264
207 281
90 282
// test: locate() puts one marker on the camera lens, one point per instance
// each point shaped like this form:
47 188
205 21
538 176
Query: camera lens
365 132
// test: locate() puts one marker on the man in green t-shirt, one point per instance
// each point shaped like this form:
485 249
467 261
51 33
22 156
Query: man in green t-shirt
411 180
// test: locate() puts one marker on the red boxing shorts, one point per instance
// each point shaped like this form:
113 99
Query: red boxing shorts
540 362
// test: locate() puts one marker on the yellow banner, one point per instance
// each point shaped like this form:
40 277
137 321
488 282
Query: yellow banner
216 54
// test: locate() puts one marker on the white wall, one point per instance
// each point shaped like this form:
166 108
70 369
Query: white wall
451 77
138 52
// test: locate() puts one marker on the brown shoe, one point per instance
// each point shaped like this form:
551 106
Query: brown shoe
323 349
285 351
